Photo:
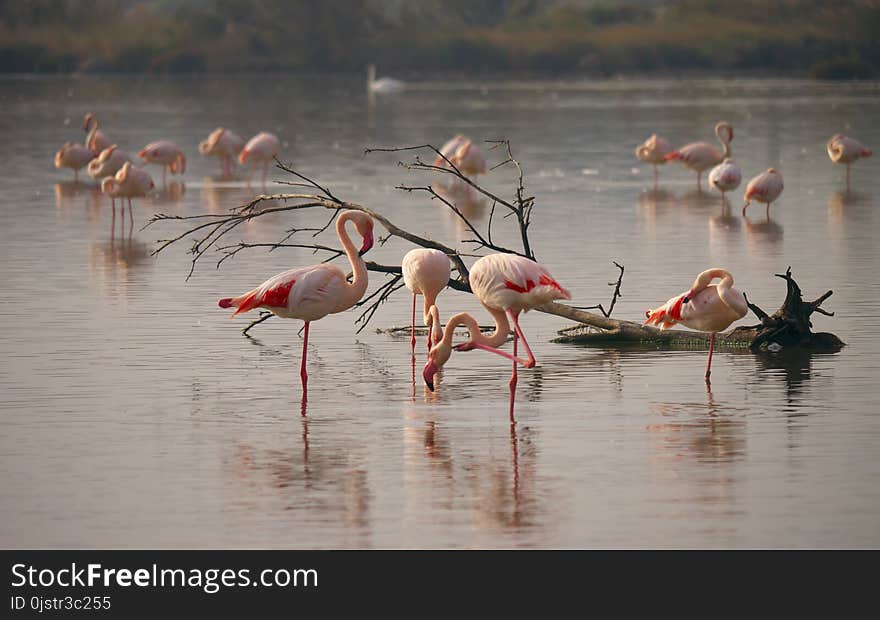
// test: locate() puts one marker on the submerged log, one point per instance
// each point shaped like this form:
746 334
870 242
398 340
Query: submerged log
788 327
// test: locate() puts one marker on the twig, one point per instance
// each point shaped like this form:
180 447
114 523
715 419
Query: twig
614 296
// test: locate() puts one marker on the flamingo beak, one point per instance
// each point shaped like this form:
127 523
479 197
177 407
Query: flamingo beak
143 153
368 243
428 374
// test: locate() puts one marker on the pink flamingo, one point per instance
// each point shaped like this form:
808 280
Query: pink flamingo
96 140
311 293
700 156
654 151
166 154
706 307
506 284
725 177
129 182
466 156
846 150
108 162
766 188
426 272
263 147
73 155
224 144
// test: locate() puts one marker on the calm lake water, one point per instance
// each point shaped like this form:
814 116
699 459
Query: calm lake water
134 413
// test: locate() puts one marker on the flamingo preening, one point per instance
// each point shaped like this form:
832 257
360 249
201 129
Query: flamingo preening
263 147
96 140
654 151
108 162
765 187
506 284
845 150
166 154
466 156
311 293
129 182
224 144
706 307
700 156
725 177
426 272
73 155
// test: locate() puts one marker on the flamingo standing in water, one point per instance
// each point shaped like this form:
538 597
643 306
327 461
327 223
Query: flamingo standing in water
129 182
700 156
73 155
725 177
108 162
466 156
706 307
166 154
654 151
506 284
845 150
426 272
765 188
96 140
224 144
311 293
263 147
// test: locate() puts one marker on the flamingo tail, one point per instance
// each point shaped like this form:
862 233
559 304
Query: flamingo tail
671 156
242 303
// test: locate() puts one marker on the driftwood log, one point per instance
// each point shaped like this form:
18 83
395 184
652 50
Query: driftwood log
788 327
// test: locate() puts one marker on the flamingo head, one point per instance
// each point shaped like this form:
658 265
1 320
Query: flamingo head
364 225
243 156
437 357
724 127
108 185
87 121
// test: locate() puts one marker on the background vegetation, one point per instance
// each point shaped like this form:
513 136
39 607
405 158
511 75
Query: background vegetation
821 38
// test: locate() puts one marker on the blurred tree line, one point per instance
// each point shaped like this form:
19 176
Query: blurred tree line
822 38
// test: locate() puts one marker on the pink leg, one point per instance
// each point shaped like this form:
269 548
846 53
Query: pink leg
513 379
529 362
302 371
112 221
164 169
655 176
265 170
722 200
847 178
130 218
412 342
709 363
699 181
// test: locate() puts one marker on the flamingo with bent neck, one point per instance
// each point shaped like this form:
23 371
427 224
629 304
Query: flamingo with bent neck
426 272
311 293
705 307
96 140
505 284
700 156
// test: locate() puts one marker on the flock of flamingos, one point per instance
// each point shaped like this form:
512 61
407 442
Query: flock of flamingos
505 284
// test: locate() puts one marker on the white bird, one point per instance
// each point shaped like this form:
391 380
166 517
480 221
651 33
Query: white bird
654 151
426 272
766 188
224 144
700 156
725 177
166 154
108 162
845 150
73 155
263 147
383 84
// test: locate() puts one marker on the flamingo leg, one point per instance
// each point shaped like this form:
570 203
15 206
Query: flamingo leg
265 170
112 221
722 199
412 341
528 362
847 178
76 175
513 379
302 370
130 218
699 181
655 176
709 363
164 170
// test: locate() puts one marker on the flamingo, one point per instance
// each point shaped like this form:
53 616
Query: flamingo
129 182
384 84
700 156
466 156
73 155
725 177
108 162
166 154
311 293
226 145
765 188
263 147
845 150
96 140
654 151
505 284
426 272
706 307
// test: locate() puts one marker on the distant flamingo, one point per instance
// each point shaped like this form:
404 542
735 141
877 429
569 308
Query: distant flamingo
700 156
224 144
845 150
725 177
466 156
96 140
654 151
311 293
765 188
706 307
263 147
384 84
506 284
426 272
130 182
108 162
166 154
73 155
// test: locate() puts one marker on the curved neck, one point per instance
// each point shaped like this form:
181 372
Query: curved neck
704 279
724 140
358 286
495 340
